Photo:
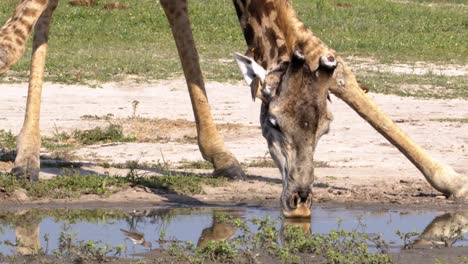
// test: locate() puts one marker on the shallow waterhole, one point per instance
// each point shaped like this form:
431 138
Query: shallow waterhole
199 225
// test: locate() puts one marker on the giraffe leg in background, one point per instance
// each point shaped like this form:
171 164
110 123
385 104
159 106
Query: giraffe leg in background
14 34
210 142
28 143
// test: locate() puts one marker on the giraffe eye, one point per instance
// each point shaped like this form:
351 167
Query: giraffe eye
273 122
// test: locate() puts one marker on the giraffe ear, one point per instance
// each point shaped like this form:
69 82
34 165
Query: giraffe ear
249 68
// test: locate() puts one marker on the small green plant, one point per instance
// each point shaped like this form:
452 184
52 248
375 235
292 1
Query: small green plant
456 120
111 133
82 251
179 183
7 145
219 251
7 140
135 104
197 164
260 163
408 238
96 117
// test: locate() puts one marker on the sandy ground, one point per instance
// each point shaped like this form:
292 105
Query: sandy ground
360 164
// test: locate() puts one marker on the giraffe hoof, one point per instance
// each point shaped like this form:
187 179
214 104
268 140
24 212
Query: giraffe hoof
233 172
226 165
26 173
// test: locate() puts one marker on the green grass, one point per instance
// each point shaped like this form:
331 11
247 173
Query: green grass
61 145
73 185
7 141
111 133
425 86
389 31
7 145
197 164
91 43
183 184
451 2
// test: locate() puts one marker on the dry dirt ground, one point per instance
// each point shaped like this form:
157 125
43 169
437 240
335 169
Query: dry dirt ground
356 163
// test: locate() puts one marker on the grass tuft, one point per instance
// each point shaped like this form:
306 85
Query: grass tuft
7 145
60 187
112 133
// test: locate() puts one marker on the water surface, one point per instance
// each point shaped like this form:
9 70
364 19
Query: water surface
199 225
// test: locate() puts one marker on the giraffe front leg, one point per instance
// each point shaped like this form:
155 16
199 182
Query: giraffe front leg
28 143
210 142
213 150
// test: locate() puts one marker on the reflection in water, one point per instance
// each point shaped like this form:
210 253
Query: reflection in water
304 224
191 225
445 229
220 229
27 232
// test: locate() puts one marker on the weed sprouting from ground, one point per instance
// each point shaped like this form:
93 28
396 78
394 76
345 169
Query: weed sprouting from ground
455 120
197 164
179 183
7 140
408 238
107 117
7 145
135 104
172 181
111 133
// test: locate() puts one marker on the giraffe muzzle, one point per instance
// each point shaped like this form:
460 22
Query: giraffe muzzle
299 205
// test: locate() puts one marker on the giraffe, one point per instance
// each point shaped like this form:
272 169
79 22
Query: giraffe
286 66
287 104
38 14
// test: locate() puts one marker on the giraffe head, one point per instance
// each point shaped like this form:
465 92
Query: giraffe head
294 115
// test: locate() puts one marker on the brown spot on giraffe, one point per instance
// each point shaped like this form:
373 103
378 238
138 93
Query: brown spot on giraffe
41 2
30 12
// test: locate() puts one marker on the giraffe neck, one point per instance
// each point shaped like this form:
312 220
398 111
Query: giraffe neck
265 41
273 31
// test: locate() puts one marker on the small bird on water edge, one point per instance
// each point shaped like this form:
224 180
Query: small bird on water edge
137 238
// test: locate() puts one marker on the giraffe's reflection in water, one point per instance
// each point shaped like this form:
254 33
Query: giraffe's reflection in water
27 232
220 229
444 230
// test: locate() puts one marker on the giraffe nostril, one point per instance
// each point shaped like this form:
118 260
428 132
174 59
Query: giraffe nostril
294 201
304 195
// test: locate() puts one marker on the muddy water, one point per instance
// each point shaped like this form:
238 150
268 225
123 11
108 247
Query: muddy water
39 228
